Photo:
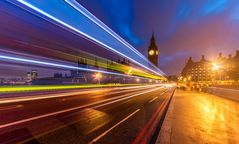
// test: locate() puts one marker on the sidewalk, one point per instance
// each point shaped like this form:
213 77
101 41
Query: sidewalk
200 118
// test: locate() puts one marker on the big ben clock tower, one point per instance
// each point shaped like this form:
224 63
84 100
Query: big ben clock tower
153 52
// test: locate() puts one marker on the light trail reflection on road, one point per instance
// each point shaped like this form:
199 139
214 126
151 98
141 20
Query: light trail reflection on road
82 117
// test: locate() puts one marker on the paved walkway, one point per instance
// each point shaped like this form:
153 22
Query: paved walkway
200 118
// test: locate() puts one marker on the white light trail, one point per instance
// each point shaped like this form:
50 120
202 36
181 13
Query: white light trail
94 19
90 16
100 103
62 66
99 23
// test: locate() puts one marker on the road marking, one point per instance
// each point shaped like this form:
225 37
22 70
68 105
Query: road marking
164 92
157 97
119 98
153 99
10 107
104 133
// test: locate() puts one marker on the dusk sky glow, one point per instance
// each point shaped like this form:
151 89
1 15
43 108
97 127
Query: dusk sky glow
183 28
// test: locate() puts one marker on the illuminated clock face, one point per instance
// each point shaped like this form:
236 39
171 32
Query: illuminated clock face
151 52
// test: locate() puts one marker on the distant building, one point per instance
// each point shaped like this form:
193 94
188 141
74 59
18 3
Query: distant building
153 51
58 75
82 63
124 61
82 76
32 75
197 71
227 69
172 78
29 78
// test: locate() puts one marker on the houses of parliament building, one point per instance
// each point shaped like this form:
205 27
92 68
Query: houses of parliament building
222 69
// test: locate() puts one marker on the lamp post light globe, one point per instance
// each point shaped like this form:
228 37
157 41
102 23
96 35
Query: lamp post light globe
215 66
137 80
98 76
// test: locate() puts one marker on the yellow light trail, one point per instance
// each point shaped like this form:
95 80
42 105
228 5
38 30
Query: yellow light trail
4 89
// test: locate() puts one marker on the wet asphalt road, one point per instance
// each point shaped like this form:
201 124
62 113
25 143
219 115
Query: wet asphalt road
111 115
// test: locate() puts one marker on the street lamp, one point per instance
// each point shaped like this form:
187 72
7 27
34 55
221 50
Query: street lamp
137 80
180 78
98 77
184 79
130 71
215 66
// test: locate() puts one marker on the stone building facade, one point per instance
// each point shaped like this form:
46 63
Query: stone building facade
197 71
221 69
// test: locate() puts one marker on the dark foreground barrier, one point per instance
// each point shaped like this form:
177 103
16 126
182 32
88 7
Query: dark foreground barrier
232 94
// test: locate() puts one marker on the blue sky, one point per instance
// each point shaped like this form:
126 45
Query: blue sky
183 27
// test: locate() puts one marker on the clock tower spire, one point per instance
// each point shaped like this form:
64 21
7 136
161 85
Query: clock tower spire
153 51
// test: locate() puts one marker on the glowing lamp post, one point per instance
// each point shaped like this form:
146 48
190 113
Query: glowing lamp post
216 68
137 80
98 76
129 71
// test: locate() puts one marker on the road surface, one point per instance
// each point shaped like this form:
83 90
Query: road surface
109 115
